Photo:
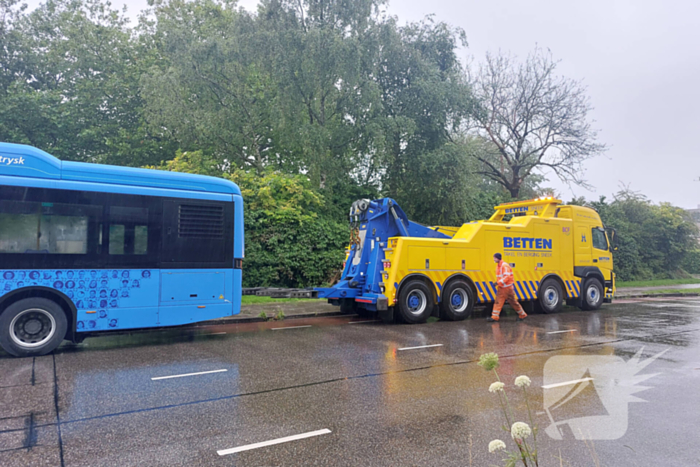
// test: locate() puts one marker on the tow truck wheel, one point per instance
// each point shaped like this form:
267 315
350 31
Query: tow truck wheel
32 327
550 296
592 297
347 306
457 301
416 302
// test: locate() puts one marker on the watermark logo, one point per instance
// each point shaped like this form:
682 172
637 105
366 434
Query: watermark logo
599 386
12 160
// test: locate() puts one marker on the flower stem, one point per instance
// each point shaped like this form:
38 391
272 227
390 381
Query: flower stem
505 396
532 424
507 411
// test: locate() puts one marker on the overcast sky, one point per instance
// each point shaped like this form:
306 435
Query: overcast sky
640 60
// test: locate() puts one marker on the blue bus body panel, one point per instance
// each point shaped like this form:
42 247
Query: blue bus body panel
107 188
82 172
27 161
17 160
238 233
112 299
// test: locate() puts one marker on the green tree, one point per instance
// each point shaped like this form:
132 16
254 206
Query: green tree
425 99
530 119
654 239
73 86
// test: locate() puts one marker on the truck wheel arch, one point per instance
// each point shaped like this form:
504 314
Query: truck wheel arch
558 279
584 272
45 292
464 277
422 277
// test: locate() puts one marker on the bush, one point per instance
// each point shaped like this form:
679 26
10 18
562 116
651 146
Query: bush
691 262
287 243
656 241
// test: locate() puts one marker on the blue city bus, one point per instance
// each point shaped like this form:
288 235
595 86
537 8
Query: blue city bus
86 248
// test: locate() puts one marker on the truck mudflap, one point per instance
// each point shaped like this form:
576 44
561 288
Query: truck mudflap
372 302
376 303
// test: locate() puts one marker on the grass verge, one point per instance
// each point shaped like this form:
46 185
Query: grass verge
256 300
657 283
669 291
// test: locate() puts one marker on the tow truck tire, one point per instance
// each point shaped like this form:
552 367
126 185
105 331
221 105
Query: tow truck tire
32 327
347 306
416 302
457 301
592 294
550 297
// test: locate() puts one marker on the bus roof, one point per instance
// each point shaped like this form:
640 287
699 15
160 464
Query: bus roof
20 160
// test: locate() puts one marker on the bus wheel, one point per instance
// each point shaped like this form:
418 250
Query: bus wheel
416 302
457 301
551 296
592 297
32 327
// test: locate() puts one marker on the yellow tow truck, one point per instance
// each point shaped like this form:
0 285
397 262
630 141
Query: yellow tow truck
559 253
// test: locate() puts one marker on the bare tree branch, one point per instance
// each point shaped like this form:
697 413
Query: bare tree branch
535 119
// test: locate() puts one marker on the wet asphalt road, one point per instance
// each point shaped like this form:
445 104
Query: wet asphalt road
96 404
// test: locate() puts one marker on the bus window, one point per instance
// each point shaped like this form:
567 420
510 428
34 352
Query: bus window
128 230
54 228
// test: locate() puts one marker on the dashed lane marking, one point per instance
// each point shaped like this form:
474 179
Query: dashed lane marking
566 383
187 374
263 444
421 347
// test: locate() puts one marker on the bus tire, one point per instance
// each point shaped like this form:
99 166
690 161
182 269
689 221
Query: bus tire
457 301
593 295
416 302
550 297
32 327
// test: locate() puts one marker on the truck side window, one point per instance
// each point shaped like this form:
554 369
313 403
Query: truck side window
599 240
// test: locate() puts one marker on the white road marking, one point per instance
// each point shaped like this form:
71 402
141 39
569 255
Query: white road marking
292 327
215 333
566 383
361 322
263 444
566 330
421 347
187 374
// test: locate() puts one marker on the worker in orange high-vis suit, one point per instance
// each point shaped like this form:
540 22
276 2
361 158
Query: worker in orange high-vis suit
504 276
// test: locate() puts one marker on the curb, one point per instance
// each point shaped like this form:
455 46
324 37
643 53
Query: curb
255 319
689 294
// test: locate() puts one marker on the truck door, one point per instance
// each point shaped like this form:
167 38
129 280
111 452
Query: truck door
582 245
601 256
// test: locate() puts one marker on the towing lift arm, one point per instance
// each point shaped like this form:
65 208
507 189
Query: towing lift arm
372 224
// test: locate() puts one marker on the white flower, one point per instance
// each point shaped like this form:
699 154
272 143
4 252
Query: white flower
497 386
496 445
519 431
522 381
